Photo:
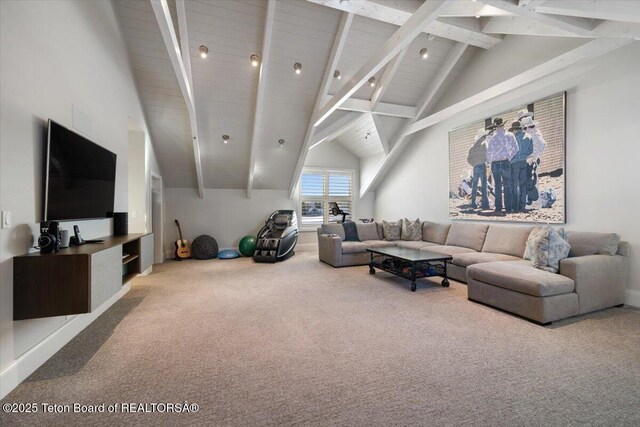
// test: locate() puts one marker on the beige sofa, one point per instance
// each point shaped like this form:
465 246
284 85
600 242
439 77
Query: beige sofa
489 258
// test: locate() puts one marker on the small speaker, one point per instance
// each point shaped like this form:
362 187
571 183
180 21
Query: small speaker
49 238
64 238
120 223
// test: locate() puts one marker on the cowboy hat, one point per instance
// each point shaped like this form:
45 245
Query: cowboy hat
524 113
498 122
515 126
481 132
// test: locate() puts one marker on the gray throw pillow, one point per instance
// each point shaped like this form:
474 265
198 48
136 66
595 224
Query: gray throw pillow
411 230
368 231
546 247
392 230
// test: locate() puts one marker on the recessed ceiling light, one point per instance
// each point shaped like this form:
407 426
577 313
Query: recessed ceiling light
298 67
424 53
204 51
336 74
255 60
225 139
281 142
372 81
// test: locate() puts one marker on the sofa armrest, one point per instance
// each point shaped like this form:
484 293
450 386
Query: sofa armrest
330 249
600 280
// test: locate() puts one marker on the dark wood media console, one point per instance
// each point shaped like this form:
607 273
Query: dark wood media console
79 279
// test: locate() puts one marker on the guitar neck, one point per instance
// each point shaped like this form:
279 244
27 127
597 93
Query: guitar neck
179 231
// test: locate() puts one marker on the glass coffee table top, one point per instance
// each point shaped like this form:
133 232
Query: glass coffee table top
410 254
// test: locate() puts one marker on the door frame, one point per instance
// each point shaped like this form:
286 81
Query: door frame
158 235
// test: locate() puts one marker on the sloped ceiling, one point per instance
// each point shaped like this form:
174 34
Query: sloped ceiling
225 85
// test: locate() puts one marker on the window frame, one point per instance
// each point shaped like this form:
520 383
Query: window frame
326 198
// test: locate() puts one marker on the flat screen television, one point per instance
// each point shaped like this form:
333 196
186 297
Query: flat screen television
80 177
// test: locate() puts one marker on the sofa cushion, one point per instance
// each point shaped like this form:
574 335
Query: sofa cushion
467 259
413 245
368 231
333 229
447 250
586 243
350 232
434 232
546 247
467 235
411 230
354 247
379 244
392 230
507 240
520 276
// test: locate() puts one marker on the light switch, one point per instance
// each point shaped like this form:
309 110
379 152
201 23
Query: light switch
6 219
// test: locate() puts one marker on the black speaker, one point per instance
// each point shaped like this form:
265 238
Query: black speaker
49 240
120 223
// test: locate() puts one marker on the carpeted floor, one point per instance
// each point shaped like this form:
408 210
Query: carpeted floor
303 343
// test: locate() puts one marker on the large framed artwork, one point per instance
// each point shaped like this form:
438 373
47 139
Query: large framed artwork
510 166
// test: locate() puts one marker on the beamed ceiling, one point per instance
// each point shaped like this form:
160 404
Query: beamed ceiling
190 102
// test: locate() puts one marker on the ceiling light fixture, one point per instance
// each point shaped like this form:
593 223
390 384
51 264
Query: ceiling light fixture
424 53
368 134
225 139
477 16
204 51
298 67
372 81
281 142
254 60
336 74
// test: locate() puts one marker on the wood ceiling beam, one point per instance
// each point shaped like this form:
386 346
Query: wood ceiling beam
577 26
525 26
383 108
398 12
592 49
335 129
332 63
615 10
385 80
426 101
425 15
165 22
384 141
262 84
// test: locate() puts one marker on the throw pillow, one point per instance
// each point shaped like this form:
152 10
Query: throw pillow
350 232
411 230
546 247
392 230
367 231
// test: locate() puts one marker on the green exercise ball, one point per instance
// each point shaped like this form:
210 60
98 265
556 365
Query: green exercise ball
247 245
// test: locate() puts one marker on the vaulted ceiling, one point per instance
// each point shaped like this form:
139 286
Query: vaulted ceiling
190 102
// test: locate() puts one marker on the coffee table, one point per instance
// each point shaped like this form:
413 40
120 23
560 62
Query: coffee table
410 264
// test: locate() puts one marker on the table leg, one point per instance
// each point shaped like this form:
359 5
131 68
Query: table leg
445 281
371 269
413 277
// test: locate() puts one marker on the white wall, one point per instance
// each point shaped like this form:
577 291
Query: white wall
137 182
227 215
64 60
602 154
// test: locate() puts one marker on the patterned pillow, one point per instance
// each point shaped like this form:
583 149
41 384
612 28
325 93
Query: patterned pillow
392 230
411 230
546 247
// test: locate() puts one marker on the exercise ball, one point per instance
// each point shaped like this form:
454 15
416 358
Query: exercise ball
204 247
228 254
247 245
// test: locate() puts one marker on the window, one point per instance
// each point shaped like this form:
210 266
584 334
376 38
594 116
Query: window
317 189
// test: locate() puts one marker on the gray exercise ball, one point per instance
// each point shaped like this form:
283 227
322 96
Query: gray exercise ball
204 247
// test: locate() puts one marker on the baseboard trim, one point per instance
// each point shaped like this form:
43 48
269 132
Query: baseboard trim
632 297
33 358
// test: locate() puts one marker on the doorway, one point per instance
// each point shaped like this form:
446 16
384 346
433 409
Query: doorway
156 217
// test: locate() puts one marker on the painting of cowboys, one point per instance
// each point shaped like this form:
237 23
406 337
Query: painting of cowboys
522 177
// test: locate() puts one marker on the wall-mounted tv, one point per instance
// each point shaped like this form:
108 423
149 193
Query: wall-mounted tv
79 175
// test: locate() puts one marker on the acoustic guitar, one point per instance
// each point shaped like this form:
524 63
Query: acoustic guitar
182 246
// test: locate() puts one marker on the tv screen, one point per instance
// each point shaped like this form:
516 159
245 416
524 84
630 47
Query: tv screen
80 177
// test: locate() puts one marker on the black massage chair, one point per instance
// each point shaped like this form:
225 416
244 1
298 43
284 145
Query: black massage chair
278 237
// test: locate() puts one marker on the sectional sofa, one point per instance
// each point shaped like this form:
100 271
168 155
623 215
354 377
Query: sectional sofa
489 258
